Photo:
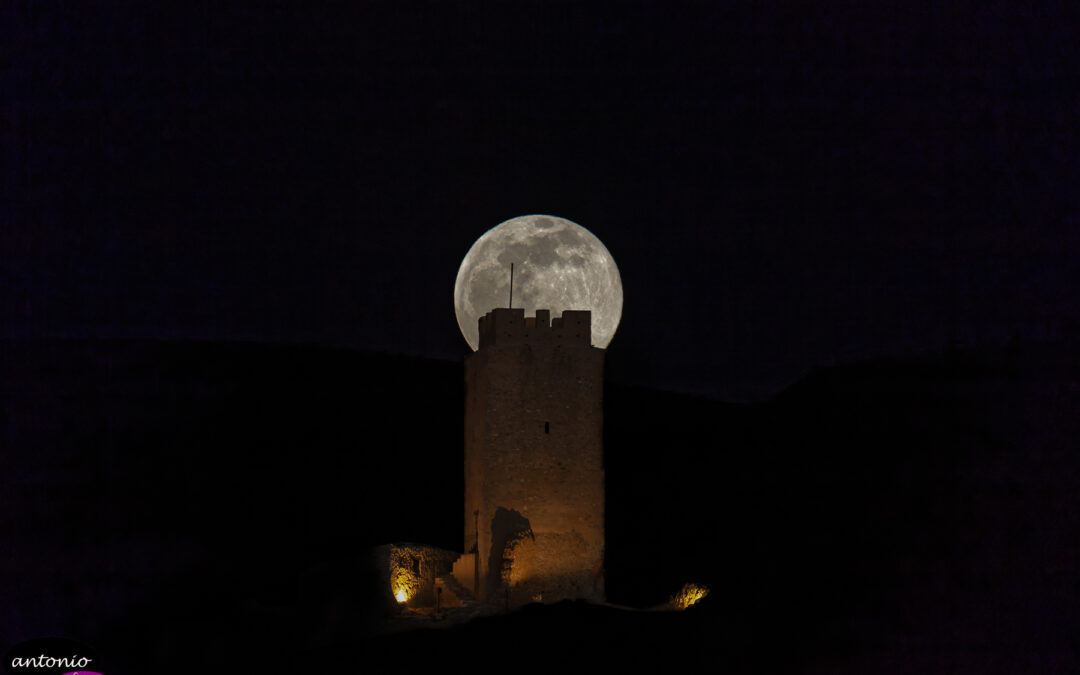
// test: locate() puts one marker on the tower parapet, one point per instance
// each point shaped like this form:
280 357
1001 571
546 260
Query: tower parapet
505 326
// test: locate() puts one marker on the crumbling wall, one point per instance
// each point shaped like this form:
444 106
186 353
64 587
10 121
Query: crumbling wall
409 571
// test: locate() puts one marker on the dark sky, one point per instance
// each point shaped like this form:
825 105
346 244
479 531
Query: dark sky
783 185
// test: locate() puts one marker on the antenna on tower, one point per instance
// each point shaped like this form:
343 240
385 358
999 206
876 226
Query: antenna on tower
511 305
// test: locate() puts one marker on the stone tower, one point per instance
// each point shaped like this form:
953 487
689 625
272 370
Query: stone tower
534 472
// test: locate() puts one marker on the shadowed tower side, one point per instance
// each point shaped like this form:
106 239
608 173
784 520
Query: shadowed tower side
534 474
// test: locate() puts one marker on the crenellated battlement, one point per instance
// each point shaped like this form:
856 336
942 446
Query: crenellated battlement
505 326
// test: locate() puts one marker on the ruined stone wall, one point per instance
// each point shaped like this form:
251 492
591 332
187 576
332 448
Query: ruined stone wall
534 476
412 569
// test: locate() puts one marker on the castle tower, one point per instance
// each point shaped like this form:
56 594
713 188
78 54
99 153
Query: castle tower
534 473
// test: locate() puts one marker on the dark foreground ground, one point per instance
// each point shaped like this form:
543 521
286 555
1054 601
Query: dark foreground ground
180 505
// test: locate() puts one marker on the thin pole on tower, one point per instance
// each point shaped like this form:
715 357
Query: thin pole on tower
511 305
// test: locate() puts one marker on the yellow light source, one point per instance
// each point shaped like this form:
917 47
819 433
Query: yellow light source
404 575
690 594
403 586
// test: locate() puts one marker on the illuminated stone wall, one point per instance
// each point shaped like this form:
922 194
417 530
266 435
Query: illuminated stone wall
411 570
534 475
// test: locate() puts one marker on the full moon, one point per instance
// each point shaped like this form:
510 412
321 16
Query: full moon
558 265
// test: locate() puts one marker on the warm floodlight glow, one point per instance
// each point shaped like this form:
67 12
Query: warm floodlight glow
403 585
404 575
690 594
558 265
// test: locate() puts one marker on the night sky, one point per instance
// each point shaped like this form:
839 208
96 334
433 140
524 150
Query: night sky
783 185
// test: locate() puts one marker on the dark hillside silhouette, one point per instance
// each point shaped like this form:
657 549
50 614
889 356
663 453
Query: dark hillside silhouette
885 513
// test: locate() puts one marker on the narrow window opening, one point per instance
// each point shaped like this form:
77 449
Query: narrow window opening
547 427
